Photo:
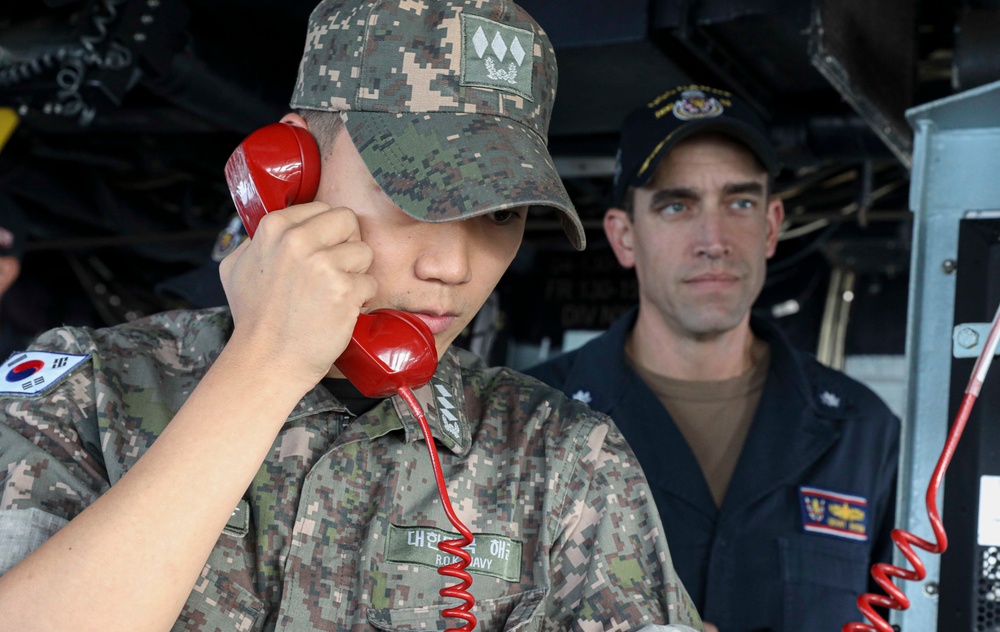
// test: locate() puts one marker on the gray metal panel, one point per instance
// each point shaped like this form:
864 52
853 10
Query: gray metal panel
867 51
590 22
956 145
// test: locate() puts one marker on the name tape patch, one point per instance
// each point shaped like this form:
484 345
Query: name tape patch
493 555
833 513
34 372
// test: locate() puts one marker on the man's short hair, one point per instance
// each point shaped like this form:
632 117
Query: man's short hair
324 126
627 203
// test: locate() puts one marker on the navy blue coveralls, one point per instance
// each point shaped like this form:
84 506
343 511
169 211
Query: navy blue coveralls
753 565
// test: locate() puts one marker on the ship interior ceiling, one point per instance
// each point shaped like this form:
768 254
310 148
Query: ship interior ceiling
128 109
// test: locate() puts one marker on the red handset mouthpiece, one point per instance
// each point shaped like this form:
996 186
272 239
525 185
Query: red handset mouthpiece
273 168
388 350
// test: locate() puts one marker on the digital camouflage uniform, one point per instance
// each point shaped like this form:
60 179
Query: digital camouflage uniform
338 529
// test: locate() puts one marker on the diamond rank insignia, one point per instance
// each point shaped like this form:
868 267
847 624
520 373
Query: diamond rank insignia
496 55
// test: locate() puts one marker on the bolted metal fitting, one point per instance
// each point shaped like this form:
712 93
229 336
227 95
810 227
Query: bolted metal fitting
967 338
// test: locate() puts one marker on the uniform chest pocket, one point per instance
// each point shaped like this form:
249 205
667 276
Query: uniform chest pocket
822 578
520 612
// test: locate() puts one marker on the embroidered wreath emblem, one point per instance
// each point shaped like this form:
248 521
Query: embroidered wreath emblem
509 75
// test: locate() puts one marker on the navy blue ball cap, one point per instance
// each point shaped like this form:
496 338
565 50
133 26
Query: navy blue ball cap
654 129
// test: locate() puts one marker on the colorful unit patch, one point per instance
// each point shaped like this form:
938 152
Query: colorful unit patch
835 514
695 104
34 372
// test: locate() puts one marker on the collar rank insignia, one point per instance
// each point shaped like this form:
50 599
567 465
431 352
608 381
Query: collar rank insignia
448 421
829 399
835 514
582 396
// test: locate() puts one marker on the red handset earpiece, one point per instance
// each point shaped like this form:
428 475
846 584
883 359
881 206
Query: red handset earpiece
275 167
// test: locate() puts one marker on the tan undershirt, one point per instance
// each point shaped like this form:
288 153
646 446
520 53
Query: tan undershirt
713 416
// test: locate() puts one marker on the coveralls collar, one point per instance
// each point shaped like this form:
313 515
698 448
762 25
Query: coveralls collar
789 425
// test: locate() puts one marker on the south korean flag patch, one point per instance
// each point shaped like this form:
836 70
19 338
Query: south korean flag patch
31 373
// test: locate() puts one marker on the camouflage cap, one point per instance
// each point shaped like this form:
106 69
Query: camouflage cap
447 102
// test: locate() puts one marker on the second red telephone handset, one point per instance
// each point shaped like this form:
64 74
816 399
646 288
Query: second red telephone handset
278 166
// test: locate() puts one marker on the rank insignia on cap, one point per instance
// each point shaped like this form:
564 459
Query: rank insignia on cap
34 372
832 513
496 55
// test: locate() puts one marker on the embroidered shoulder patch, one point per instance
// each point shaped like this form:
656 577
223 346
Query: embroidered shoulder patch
832 513
32 373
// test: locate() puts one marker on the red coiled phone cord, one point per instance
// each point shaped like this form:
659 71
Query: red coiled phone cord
452 547
905 541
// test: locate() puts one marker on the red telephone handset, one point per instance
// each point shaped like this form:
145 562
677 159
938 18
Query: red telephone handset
278 166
